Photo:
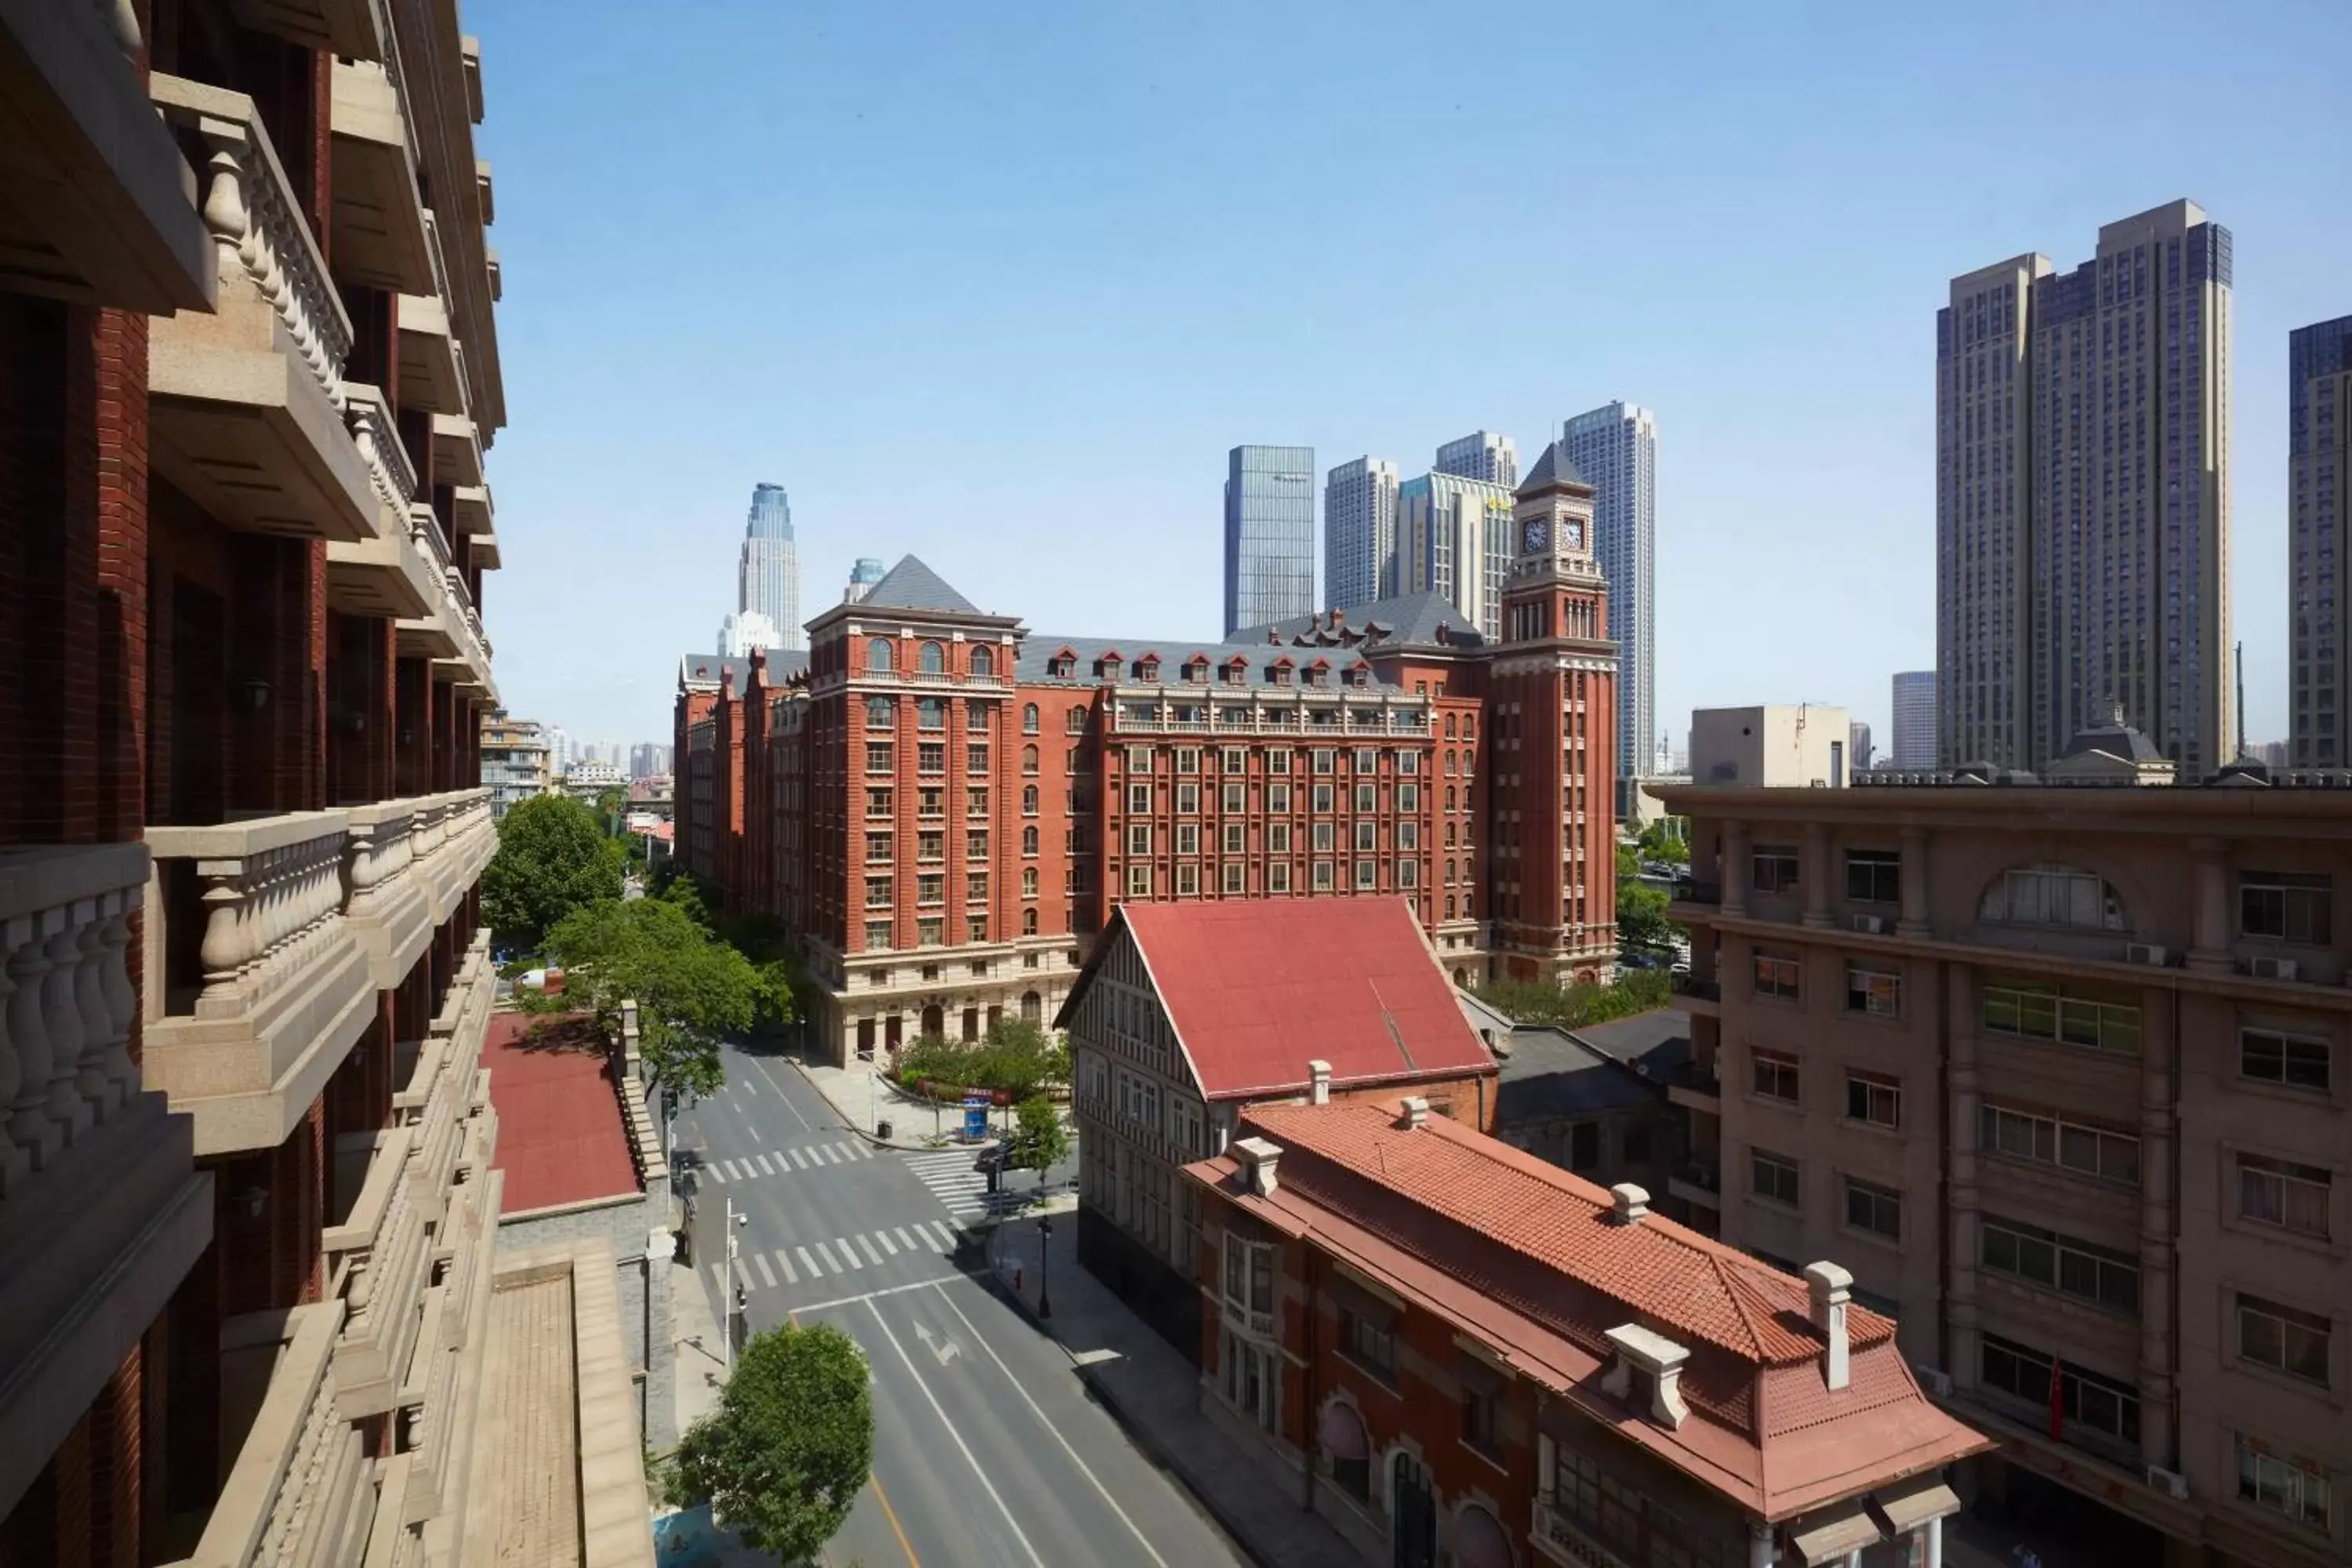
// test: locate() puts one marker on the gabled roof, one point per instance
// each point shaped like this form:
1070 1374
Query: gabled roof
1408 620
1553 469
711 669
911 586
1256 988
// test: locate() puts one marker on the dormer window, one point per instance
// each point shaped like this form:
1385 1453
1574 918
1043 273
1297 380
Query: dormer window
1147 669
1062 667
1278 675
1315 674
1235 671
1196 673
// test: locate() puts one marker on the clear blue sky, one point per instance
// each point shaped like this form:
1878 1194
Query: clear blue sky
1000 285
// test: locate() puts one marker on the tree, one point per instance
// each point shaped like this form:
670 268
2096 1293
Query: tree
1574 1006
1642 916
552 859
691 988
782 1459
1040 1138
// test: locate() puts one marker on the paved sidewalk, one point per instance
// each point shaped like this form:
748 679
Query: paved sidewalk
1154 1394
861 1096
700 1377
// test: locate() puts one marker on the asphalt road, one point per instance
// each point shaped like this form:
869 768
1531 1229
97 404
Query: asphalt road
987 1450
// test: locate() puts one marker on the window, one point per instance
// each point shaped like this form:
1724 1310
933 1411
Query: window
877 848
879 756
1321 804
1408 835
931 713
1029 760
976 759
1188 839
880 713
975 801
930 931
931 888
1234 836
1249 1277
1874 1099
1876 992
983 662
2088 1402
1187 879
1775 869
1139 838
1139 881
1323 881
1076 723
1277 878
1772 1178
1235 795
2052 1141
1778 977
1232 878
975 930
878 803
1366 873
878 656
2283 1194
1408 873
2285 906
930 845
1366 800
2283 1339
1873 1208
1366 1339
1367 837
1029 882
1277 838
1029 719
1584 1146
1278 760
1773 1075
1188 797
931 757
2293 1061
2284 1483
1252 1380
2043 1012
1029 841
2052 895
1873 876
1138 799
1029 799
975 845
877 892
1278 797
2076 1269
1029 928
1324 761
1479 1423
932 660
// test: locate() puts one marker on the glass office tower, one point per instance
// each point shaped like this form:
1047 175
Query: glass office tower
1269 535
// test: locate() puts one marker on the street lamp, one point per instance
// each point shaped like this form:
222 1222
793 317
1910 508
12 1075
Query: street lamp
1045 1253
728 1305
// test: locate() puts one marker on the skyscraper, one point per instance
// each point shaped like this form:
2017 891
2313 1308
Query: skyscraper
1915 744
769 574
862 576
1615 447
1857 746
1269 535
744 630
2319 520
2082 496
1360 506
1454 538
1481 455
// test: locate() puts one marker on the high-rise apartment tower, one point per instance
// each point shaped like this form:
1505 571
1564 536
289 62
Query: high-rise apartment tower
1269 535
1360 506
1454 539
2082 496
2319 518
1482 455
1913 741
1615 447
768 573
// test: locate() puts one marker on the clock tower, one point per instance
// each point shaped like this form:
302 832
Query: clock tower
1551 874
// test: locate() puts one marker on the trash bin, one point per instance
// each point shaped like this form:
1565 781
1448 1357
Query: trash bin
882 1131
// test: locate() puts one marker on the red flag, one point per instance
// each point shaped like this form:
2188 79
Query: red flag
2057 1400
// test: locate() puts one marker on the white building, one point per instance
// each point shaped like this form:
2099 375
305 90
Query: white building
1774 746
1615 447
1915 721
768 572
1454 539
1481 455
1360 514
744 630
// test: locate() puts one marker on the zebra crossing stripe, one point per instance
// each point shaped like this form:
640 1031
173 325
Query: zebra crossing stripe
904 1237
809 1263
847 1251
826 1252
717 1174
767 1275
947 1234
870 1249
799 1159
786 1264
765 1169
884 1237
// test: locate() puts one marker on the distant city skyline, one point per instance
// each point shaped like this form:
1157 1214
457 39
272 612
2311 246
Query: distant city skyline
1269 535
767 579
1615 447
1481 455
1360 503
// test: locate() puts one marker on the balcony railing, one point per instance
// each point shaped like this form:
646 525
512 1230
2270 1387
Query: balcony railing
1562 1538
1707 990
378 1263
1698 1079
1705 893
65 1059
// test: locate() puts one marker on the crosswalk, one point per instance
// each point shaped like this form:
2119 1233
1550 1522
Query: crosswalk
954 1179
815 1259
786 1162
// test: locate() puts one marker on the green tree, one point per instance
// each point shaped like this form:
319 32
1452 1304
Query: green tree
1040 1138
611 805
782 1459
1575 1006
1642 916
1629 862
553 860
691 988
1665 841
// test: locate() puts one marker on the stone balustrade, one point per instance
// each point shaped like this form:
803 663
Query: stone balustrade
378 1263
385 454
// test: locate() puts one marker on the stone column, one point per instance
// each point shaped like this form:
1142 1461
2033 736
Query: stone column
2156 1079
1814 872
2209 947
1960 1337
1761 1551
1738 869
1914 920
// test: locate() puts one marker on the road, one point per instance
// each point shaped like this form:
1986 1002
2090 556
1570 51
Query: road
986 1448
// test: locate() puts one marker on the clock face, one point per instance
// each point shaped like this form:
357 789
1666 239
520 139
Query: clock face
1572 534
1538 535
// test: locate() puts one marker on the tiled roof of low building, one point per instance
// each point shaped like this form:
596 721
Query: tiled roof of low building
1256 988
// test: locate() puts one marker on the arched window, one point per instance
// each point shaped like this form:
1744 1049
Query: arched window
880 713
2052 894
1029 882
1029 719
1450 760
1450 830
1029 841
1029 760
878 656
1449 908
931 713
1341 1434
1031 1008
1449 726
1449 873
1469 726
932 660
983 662
1029 799
1480 1540
1449 798
977 717
1028 923
1077 724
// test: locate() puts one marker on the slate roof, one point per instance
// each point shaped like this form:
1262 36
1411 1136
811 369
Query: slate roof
2114 738
1038 651
1554 467
1258 988
1406 620
699 668
1553 1073
911 586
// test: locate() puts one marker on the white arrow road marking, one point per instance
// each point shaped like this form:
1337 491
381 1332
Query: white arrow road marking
949 1427
943 1349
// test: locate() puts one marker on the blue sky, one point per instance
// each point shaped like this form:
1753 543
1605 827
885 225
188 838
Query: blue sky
1000 285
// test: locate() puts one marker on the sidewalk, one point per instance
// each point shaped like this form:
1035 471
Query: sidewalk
700 1377
861 1096
1154 1394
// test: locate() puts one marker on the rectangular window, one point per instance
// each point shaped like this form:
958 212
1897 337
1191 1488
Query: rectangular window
1277 877
1366 874
1138 799
1234 759
2283 1339
1873 876
1778 977
2292 1061
1278 797
2042 1012
1139 838
1408 796
1139 759
976 929
1323 761
1408 762
1235 835
1479 1427
2052 1141
1874 1099
1873 1208
1326 836
1876 992
1366 799
1278 760
1188 839
1188 798
2076 1269
1232 878
1277 838
2088 1403
1367 761
931 757
975 845
1323 881
930 931
877 935
932 803
1367 837
1772 1178
877 892
1321 804
1188 759
1236 796
1139 881
976 759
879 756
1368 1341
2286 906
975 887
2287 1195
1408 873
2286 1483
1187 879
930 889
930 845
1775 869
878 849
878 803
1774 1075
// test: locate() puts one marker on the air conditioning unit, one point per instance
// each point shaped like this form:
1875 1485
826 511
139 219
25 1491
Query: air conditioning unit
2145 952
2170 1482
2271 968
1871 925
1935 1380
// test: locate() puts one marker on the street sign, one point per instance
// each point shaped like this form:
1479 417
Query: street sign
975 1116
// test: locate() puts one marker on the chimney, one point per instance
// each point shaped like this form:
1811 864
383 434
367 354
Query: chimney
1830 1286
1414 1112
1629 1202
1647 1373
1320 1071
1258 1159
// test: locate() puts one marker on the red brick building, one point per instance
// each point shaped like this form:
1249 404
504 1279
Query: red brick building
1464 1354
946 807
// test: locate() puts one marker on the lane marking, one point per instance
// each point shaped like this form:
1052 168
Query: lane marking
826 1252
761 1068
846 1251
884 1291
767 1275
785 1263
749 1088
810 1263
892 1515
949 1427
870 1249
887 1245
1140 1539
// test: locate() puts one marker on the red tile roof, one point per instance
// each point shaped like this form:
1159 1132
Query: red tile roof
561 1138
1256 988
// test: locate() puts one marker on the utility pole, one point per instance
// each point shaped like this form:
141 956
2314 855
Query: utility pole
727 1303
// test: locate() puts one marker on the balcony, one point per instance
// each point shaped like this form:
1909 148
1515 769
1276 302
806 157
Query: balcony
432 377
101 1212
457 450
334 26
451 630
1694 1088
384 574
1698 1182
247 405
380 238
1562 1539
98 204
394 902
258 980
